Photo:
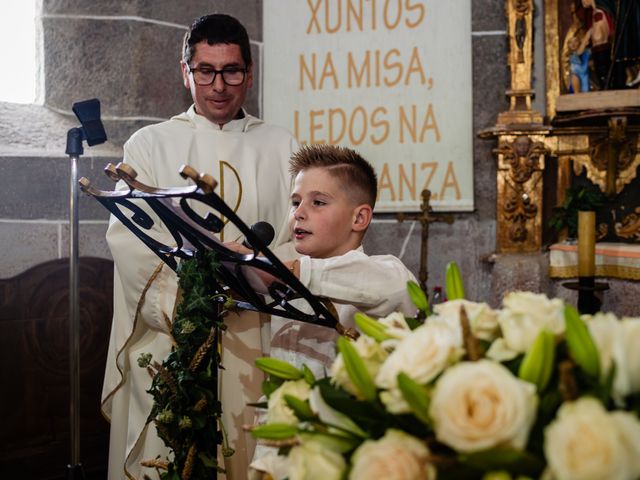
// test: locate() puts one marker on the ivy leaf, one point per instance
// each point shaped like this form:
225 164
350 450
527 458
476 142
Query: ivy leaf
207 460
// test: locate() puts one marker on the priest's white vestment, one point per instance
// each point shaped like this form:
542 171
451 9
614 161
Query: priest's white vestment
249 159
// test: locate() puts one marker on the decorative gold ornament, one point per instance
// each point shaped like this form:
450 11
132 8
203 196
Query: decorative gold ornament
629 227
520 166
610 154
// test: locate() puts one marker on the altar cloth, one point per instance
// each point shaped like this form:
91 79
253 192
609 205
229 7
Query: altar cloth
614 260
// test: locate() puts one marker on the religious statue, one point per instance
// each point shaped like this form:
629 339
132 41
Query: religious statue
613 34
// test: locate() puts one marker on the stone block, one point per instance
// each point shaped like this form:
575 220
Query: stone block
525 271
35 130
91 240
466 241
28 244
490 80
387 237
33 188
249 12
488 15
132 67
119 131
484 178
83 7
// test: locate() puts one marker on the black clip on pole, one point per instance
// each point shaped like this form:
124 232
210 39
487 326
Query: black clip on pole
92 130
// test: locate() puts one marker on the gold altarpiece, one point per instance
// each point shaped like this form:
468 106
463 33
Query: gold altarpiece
596 131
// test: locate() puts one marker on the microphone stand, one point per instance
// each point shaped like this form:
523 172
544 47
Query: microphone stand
74 150
88 112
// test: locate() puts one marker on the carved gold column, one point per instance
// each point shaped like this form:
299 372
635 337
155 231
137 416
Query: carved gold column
520 166
520 58
521 143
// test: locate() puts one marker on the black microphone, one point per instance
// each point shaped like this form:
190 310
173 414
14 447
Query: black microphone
264 231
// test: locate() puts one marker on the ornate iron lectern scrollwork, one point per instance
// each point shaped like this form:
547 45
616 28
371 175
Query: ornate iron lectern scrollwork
192 232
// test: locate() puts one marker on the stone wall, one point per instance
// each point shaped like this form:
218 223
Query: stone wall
127 54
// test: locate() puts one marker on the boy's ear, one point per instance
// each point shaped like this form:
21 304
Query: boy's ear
362 218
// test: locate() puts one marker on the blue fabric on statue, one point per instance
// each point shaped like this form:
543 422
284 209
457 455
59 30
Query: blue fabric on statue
579 66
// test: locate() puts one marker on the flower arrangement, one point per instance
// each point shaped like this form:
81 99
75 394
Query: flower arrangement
533 390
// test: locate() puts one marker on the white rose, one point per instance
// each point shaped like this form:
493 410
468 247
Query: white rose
397 329
396 456
278 410
631 340
617 342
422 355
479 405
371 353
629 430
585 442
312 461
482 319
606 334
524 315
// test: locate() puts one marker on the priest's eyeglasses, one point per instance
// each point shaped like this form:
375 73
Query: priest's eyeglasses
206 75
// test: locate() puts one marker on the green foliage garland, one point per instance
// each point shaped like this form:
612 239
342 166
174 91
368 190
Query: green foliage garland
186 411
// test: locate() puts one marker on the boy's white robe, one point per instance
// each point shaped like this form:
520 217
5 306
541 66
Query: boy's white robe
354 282
250 161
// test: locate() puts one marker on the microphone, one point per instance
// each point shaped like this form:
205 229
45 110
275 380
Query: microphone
264 231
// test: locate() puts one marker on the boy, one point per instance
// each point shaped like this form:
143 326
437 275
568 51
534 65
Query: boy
332 204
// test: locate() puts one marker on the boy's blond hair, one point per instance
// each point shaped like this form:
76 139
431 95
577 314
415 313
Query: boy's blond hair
356 176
